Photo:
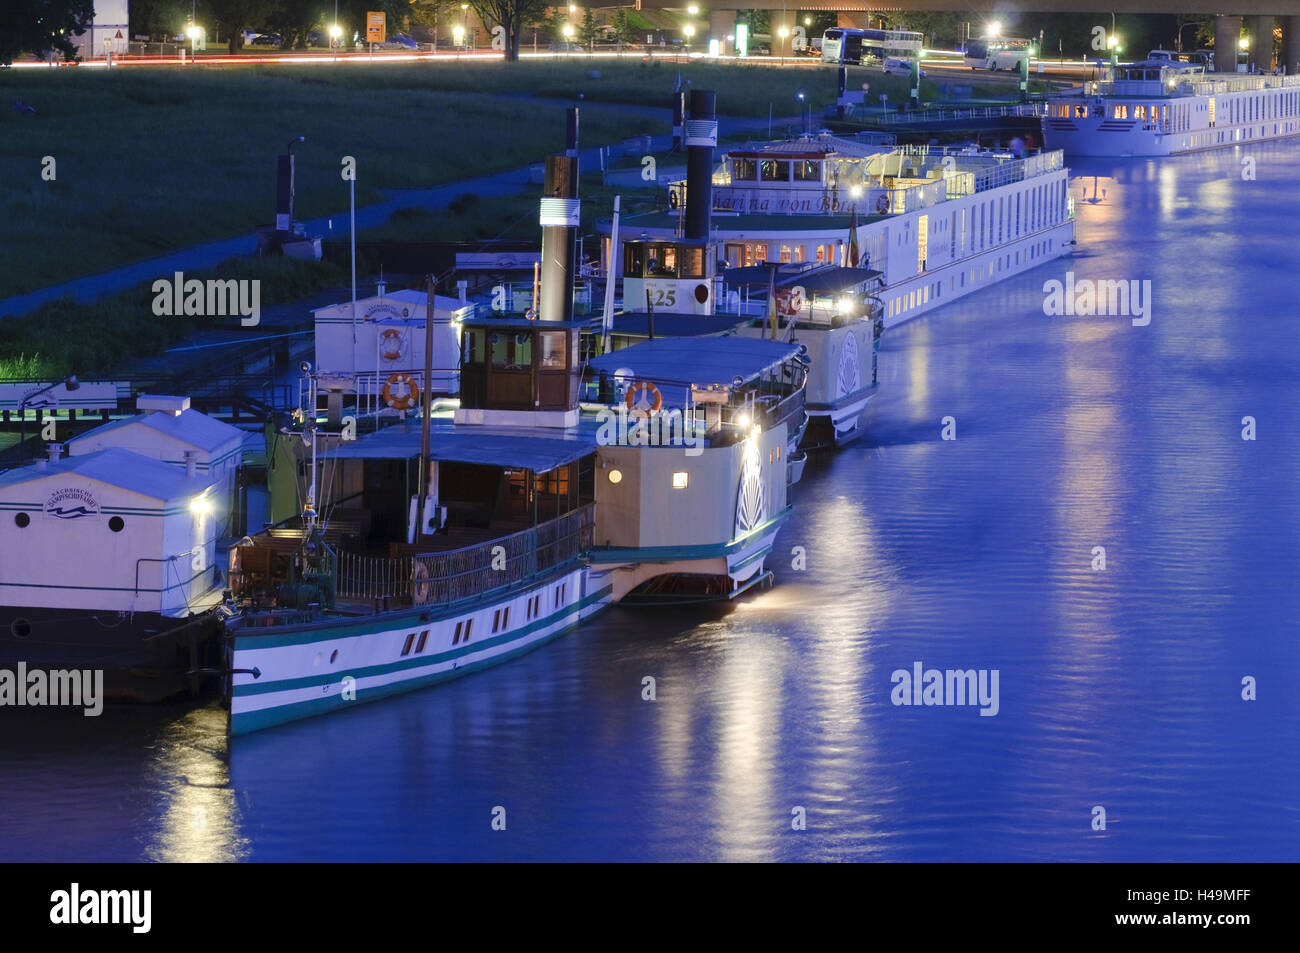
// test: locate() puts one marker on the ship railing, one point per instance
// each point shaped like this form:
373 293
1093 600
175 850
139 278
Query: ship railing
933 113
439 578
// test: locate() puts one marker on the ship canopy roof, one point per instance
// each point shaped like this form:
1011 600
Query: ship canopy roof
513 447
824 280
703 362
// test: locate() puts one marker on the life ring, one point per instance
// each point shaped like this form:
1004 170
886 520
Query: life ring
420 587
882 205
402 401
653 397
391 338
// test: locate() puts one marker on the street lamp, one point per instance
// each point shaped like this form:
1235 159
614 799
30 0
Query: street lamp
458 35
193 34
995 28
336 31
688 31
783 33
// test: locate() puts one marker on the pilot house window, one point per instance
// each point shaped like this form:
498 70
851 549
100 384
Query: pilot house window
774 170
510 352
744 170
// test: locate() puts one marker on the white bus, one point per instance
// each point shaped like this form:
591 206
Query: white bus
869 47
1003 52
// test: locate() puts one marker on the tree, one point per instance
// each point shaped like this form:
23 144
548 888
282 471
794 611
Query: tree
42 26
512 15
588 31
235 16
294 20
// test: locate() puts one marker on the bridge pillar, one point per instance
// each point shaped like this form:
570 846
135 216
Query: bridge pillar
722 24
1261 41
1227 31
782 20
1291 44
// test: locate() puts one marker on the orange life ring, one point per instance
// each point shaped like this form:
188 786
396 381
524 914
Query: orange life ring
391 337
402 401
420 586
655 399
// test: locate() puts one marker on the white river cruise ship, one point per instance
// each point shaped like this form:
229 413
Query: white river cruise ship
1159 108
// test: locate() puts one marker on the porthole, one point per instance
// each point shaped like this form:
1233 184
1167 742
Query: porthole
116 523
20 628
22 520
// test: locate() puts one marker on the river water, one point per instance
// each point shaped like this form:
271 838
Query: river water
1118 688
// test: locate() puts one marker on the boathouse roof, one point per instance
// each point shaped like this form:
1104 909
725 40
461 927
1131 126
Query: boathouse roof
116 467
189 427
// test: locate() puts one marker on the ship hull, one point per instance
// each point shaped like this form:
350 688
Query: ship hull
145 657
335 664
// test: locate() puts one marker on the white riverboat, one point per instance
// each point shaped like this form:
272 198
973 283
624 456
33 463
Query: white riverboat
881 234
537 512
1160 107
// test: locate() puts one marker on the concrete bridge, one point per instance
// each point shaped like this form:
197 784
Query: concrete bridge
721 17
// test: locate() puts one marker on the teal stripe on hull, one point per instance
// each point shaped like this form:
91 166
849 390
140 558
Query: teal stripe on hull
247 722
421 661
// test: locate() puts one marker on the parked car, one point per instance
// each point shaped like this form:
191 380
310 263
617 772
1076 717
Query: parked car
400 41
266 39
897 67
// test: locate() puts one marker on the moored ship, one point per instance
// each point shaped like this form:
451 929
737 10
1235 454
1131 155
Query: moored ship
548 492
1161 107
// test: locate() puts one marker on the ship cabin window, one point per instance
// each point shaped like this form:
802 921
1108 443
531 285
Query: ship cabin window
1139 111
807 170
1121 111
1080 111
552 350
662 260
775 170
511 352
744 170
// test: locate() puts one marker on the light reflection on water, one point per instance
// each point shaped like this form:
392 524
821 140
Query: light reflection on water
1118 688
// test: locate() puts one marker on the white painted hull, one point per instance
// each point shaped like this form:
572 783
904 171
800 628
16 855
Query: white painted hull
334 664
1132 138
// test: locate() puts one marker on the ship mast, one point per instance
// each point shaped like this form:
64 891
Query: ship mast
426 403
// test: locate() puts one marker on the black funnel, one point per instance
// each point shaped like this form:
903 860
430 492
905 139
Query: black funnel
700 136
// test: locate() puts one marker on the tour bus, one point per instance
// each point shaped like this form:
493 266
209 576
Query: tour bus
868 47
1003 52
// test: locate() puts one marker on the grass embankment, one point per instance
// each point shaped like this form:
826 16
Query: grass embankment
65 337
148 161
509 218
